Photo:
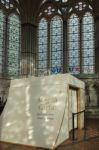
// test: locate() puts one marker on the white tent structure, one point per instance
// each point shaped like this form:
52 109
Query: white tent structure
39 110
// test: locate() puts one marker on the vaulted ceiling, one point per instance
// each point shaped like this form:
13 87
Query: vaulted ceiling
29 9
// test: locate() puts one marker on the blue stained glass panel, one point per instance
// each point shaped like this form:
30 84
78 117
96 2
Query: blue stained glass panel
42 46
88 43
56 44
13 45
73 45
2 27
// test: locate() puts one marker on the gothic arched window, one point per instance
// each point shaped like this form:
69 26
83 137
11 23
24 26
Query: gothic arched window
2 29
73 45
9 38
13 45
70 36
88 44
56 44
42 45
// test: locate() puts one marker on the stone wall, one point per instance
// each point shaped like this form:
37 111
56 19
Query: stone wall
92 95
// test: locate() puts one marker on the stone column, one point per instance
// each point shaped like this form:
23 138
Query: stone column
28 53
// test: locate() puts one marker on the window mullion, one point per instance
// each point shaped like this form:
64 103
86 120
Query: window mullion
49 49
65 47
80 45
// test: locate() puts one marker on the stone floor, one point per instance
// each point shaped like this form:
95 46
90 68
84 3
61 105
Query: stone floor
91 144
84 140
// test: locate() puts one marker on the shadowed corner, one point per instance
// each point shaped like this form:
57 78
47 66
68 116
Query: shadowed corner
2 105
3 100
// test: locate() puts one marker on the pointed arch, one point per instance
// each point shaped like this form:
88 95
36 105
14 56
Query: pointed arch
56 36
88 43
13 51
42 45
73 45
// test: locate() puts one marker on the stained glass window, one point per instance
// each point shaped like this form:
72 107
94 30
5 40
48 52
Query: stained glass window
56 44
64 1
13 45
88 43
42 45
7 3
49 10
2 23
61 0
77 53
73 45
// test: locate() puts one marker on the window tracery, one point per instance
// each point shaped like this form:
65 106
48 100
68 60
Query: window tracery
7 3
79 51
80 6
49 10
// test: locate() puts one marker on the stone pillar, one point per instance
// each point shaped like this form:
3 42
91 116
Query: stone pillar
28 53
91 92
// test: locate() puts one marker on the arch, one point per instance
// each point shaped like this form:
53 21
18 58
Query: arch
76 58
73 45
88 43
56 38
